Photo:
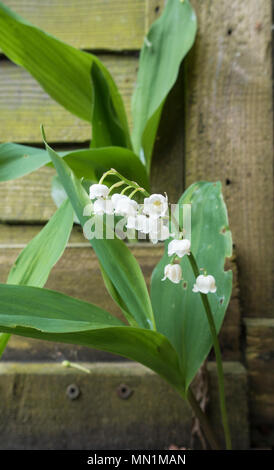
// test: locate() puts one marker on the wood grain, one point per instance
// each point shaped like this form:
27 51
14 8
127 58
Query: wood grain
98 417
24 105
260 367
229 132
91 24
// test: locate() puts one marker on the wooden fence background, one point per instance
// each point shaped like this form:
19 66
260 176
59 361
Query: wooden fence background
217 125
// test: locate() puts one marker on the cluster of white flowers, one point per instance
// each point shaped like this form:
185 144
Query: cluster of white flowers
150 218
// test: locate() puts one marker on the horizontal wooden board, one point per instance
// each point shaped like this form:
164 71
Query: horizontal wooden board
92 24
260 367
24 105
78 274
23 200
37 411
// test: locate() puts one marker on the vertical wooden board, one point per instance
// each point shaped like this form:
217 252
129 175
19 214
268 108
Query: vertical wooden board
260 368
167 161
229 131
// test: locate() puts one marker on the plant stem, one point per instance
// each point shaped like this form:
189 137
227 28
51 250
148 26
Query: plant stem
203 420
217 355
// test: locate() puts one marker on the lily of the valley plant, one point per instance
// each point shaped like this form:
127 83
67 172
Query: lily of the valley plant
171 329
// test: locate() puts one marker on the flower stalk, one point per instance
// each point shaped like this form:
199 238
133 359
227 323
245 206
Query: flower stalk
218 356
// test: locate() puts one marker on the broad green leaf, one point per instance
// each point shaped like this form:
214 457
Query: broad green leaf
59 195
18 160
167 42
35 262
50 311
106 128
117 298
49 315
116 259
179 312
4 338
63 71
92 163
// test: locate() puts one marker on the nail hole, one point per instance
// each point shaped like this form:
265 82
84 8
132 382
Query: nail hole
72 392
157 9
124 392
229 31
227 181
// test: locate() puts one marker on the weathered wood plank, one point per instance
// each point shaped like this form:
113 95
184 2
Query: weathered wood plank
37 412
96 24
28 199
78 274
24 105
229 131
260 368
22 200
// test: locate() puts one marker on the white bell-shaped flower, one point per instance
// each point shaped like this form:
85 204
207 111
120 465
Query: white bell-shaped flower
179 248
155 205
158 229
205 284
142 223
98 191
173 272
126 207
131 222
99 206
115 198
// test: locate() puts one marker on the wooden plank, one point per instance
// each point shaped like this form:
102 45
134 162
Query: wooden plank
23 201
92 24
260 367
28 199
38 413
78 274
229 131
24 105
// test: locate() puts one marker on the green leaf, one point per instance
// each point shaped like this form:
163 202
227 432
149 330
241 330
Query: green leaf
167 42
4 338
35 262
106 128
49 315
92 163
50 311
179 312
63 71
117 298
117 260
19 160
